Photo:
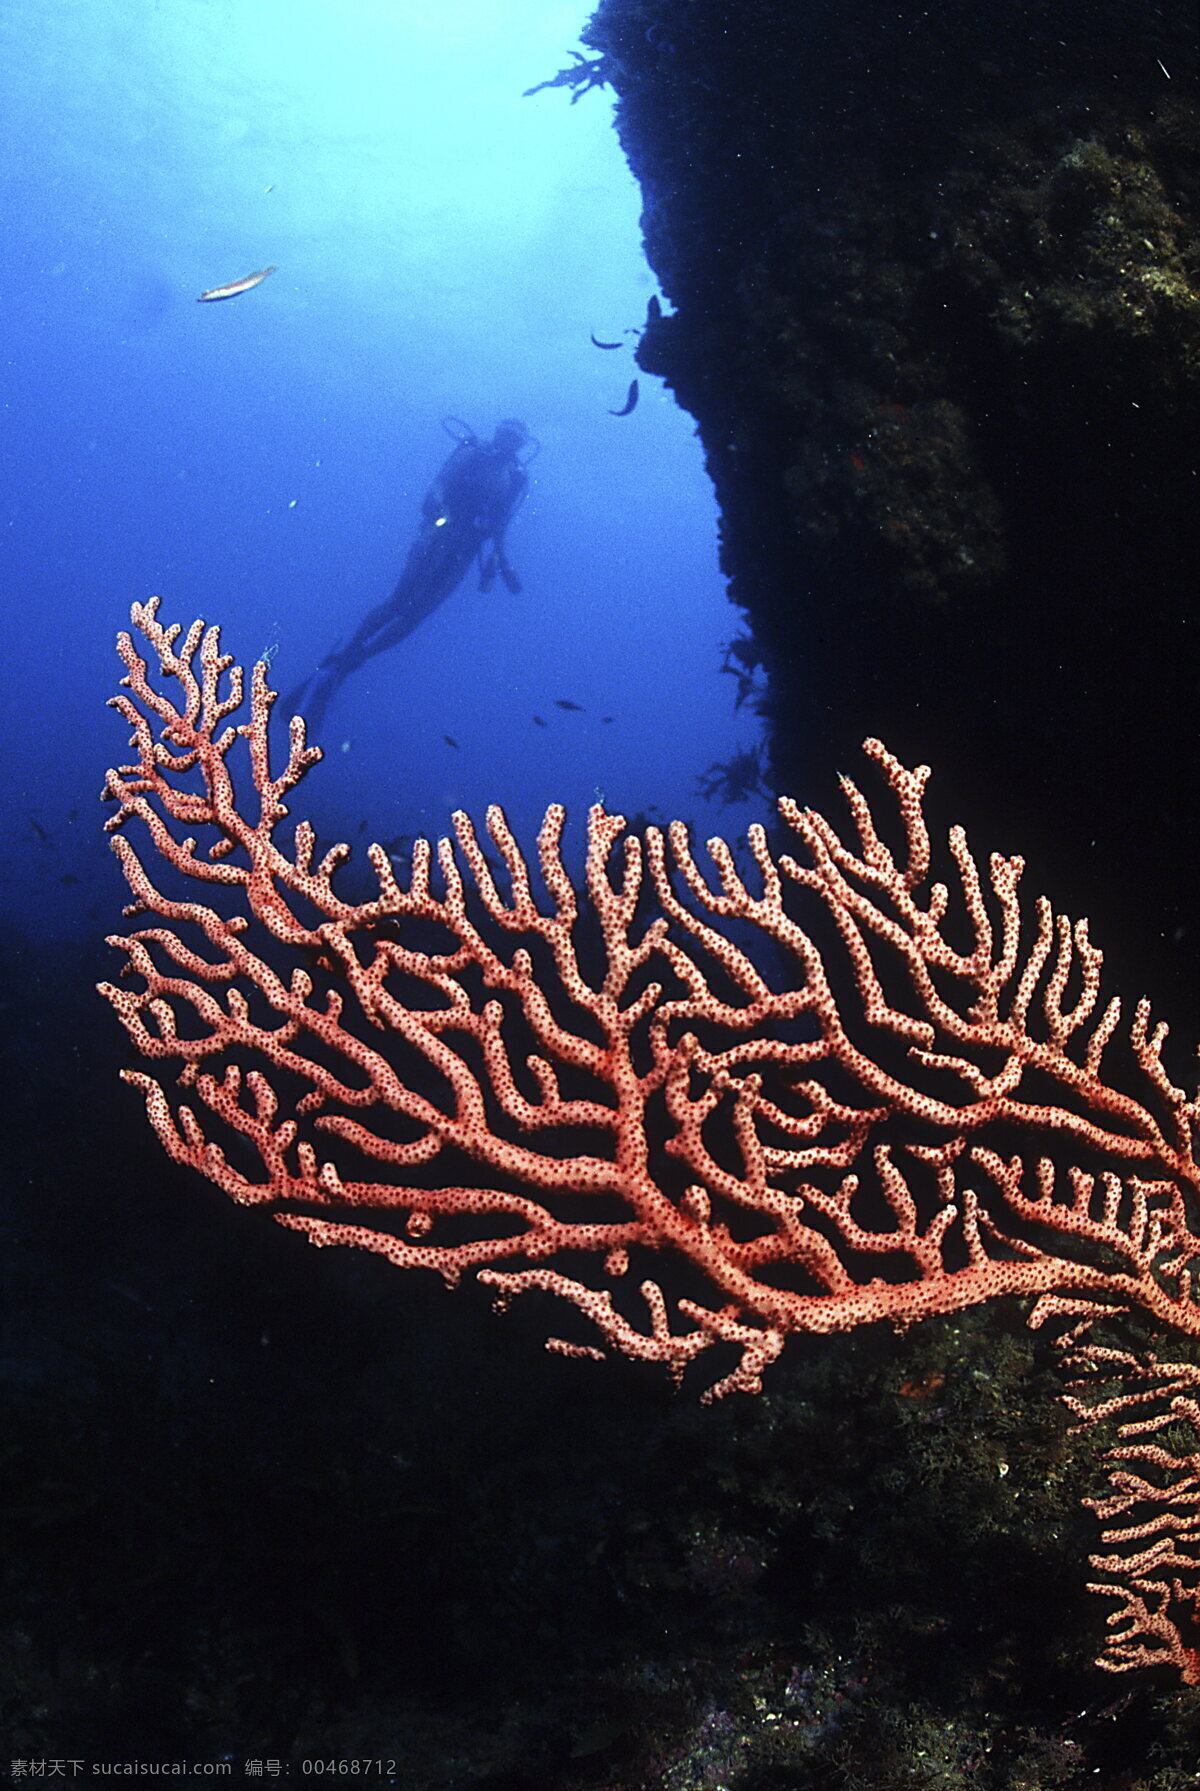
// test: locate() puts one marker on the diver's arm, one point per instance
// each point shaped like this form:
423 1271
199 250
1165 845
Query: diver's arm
520 490
520 493
497 524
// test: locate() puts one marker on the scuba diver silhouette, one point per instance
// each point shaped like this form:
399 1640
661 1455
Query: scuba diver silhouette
465 514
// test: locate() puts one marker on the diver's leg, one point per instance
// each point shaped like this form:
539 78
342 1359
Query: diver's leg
436 565
379 623
373 634
427 580
398 614
508 575
312 698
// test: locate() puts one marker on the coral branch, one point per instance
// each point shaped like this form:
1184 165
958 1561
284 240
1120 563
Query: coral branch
1152 1568
702 1104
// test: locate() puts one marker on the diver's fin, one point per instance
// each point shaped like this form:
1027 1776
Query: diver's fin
313 697
292 703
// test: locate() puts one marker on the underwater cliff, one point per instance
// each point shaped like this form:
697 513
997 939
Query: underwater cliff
934 289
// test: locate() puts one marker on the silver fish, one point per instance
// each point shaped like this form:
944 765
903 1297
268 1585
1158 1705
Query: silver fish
235 286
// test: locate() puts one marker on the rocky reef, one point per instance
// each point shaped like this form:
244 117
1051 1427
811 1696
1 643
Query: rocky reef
932 293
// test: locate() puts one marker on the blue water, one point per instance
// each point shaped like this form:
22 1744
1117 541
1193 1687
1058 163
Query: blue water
443 245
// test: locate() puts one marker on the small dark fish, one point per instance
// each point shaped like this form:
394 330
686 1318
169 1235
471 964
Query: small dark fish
653 310
566 703
451 741
246 284
630 402
596 344
606 718
40 831
127 1293
540 723
397 843
71 881
362 827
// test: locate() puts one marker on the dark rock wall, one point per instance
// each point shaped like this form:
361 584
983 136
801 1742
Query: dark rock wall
933 282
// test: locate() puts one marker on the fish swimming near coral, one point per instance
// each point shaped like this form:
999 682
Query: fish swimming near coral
630 401
235 286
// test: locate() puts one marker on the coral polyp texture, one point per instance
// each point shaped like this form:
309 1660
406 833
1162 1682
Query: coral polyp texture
702 1100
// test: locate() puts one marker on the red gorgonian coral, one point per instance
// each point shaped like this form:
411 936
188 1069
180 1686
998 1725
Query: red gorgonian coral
703 1106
